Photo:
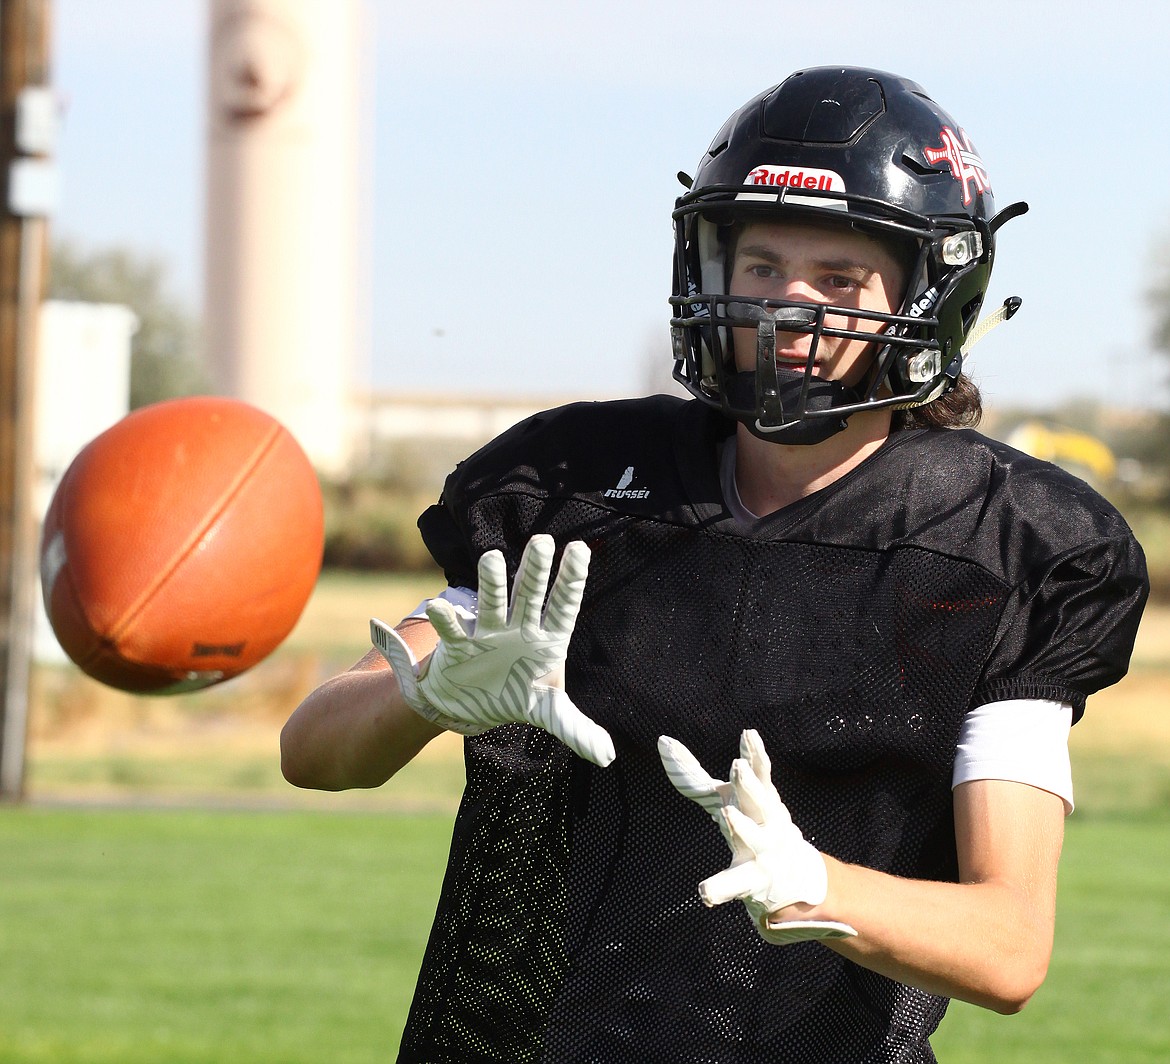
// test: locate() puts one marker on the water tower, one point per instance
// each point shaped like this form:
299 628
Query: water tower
283 264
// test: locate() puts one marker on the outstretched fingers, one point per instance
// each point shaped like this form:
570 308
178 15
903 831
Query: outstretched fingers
751 749
446 621
564 602
757 797
492 596
688 776
532 582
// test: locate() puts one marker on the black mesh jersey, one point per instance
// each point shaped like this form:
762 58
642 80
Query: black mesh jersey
853 629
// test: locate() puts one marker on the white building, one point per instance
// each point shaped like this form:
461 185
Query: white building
82 388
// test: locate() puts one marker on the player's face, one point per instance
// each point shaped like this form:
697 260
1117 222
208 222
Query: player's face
811 263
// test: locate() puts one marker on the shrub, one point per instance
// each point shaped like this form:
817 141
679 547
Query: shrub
371 525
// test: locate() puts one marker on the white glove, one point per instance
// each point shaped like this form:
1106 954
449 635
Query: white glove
693 781
772 865
507 665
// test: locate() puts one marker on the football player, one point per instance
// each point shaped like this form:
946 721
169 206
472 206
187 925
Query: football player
776 763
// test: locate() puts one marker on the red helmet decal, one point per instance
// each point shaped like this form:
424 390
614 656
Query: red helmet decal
960 155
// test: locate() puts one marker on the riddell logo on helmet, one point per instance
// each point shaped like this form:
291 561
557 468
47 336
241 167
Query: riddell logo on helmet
789 180
786 177
924 302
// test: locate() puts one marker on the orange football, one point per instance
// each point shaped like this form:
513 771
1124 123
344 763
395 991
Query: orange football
181 545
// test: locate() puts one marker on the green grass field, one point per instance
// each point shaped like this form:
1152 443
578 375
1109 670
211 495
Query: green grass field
210 937
183 936
166 899
1104 1001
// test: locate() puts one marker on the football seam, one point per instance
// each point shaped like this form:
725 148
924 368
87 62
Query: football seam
118 630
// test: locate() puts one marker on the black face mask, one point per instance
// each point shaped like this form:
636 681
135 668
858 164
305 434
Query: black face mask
780 399
821 398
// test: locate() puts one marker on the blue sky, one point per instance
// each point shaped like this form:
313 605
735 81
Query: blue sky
523 157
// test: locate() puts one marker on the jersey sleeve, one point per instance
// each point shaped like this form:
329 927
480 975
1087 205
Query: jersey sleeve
505 466
517 484
447 526
1069 629
447 540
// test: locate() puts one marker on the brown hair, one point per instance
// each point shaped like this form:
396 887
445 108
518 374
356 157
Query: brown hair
959 408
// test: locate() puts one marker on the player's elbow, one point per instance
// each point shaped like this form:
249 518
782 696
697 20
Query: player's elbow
1013 985
301 762
1010 972
293 765
1012 1000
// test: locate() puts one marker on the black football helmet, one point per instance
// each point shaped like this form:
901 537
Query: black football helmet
855 147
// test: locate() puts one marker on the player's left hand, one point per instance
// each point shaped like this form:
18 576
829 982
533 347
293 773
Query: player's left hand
773 866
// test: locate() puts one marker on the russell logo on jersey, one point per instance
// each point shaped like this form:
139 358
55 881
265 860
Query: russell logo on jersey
622 489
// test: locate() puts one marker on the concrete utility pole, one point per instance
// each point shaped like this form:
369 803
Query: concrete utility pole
27 184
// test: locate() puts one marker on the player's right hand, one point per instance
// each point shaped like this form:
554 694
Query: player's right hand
506 665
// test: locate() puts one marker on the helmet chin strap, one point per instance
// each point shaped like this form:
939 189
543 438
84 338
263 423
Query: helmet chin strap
781 398
993 320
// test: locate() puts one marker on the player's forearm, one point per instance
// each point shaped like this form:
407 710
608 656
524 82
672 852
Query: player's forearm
988 943
352 731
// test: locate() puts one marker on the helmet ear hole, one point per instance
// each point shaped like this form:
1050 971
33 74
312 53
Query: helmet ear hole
920 169
970 312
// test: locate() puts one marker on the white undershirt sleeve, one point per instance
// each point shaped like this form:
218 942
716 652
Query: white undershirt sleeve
1023 740
465 601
